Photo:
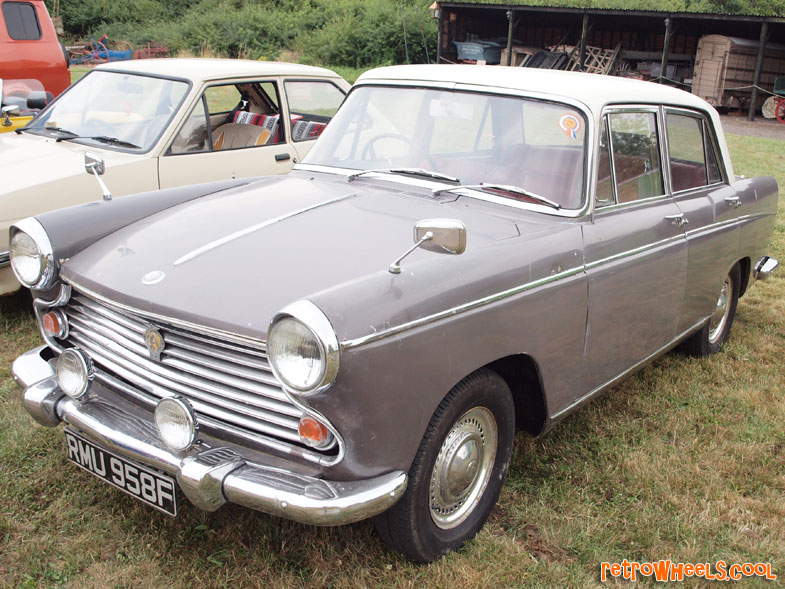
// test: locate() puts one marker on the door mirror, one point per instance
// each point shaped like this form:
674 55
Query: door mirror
94 163
448 235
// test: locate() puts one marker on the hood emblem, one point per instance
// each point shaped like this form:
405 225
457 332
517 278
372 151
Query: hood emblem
154 342
153 277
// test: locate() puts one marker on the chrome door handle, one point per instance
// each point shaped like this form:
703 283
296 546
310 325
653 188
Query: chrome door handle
677 219
734 201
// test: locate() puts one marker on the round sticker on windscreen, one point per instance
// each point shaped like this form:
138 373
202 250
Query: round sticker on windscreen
570 124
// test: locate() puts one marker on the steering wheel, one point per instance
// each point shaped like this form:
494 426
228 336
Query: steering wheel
369 152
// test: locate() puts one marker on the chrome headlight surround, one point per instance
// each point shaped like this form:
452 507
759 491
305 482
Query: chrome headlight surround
312 324
21 232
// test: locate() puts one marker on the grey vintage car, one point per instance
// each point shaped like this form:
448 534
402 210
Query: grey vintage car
464 250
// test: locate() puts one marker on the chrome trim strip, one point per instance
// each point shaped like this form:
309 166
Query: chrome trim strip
635 251
372 337
5 259
626 372
209 331
253 228
722 224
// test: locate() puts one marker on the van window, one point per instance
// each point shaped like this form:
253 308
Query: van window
21 21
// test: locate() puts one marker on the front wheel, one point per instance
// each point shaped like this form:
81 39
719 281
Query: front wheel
714 333
458 472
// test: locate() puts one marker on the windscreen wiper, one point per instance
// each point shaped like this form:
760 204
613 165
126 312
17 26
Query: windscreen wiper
516 190
101 138
407 171
70 134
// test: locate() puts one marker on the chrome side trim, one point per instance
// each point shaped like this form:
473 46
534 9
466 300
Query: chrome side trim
635 251
210 331
253 228
372 337
626 372
5 259
728 223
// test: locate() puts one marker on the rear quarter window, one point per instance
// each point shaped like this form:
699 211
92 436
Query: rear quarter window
21 21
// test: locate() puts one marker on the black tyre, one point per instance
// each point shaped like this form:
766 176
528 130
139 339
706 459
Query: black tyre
458 472
709 338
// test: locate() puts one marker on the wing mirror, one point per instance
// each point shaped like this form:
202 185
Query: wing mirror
94 164
441 236
11 109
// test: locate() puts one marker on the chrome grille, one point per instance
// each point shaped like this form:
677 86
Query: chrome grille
228 382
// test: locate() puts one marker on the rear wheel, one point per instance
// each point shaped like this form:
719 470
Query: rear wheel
714 333
458 472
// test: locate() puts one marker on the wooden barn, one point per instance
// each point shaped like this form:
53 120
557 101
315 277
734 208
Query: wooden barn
646 44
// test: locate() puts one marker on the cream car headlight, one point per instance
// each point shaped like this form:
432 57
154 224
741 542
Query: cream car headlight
32 258
176 423
302 348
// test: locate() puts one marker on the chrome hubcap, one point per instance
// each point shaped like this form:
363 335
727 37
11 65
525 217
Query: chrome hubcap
463 467
720 316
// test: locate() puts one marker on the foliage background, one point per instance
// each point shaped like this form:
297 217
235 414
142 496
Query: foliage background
353 33
335 33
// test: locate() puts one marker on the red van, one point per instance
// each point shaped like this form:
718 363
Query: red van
29 48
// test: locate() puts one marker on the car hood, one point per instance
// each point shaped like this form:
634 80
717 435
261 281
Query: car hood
231 260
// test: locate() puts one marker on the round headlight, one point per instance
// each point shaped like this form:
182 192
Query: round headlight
74 371
296 354
31 254
176 423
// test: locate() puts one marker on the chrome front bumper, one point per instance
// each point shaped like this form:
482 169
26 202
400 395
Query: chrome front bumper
214 476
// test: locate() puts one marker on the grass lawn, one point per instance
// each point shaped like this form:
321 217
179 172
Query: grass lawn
685 461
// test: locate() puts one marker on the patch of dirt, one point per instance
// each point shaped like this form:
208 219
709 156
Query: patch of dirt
738 124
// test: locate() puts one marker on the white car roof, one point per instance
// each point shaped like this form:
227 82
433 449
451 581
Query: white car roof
202 70
594 90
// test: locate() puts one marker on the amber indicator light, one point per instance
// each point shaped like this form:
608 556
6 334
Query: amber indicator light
51 323
312 431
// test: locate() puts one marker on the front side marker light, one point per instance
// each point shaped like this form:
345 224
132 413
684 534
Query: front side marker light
74 372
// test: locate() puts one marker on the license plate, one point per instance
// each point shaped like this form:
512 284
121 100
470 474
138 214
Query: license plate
148 486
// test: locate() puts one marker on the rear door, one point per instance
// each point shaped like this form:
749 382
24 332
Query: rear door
710 206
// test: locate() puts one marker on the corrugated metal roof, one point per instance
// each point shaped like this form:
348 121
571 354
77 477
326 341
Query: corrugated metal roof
642 7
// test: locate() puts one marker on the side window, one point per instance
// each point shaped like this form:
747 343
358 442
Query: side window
193 136
21 21
687 155
636 157
604 195
311 106
693 159
237 115
712 160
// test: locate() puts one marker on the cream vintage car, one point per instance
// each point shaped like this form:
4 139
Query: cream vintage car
161 123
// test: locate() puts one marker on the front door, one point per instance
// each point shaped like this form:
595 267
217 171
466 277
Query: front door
635 250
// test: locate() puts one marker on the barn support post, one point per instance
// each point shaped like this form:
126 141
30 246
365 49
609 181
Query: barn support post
511 18
666 50
584 33
764 34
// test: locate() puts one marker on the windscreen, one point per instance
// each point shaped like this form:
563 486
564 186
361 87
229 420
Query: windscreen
535 145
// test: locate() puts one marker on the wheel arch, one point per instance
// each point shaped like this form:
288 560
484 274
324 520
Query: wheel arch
522 375
745 269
